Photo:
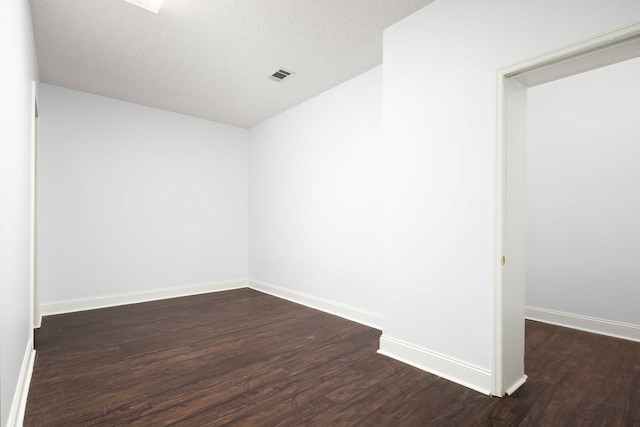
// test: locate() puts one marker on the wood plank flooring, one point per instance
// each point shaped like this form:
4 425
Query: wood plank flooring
245 358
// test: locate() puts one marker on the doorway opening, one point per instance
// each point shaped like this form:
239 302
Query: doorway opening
510 200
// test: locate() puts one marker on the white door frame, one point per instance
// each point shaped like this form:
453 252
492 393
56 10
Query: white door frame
508 342
34 314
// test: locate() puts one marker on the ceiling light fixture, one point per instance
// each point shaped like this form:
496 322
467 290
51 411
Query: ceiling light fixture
152 5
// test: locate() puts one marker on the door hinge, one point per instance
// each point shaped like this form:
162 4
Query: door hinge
503 260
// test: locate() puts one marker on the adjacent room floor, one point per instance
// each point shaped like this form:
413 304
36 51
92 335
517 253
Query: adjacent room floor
245 358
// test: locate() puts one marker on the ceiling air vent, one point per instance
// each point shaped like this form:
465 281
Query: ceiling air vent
281 74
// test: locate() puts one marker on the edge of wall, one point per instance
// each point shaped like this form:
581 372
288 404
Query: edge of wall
104 301
610 328
345 311
462 373
19 404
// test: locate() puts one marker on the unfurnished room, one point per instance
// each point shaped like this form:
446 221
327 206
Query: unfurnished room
333 212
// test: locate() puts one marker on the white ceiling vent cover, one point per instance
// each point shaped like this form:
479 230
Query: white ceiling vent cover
281 74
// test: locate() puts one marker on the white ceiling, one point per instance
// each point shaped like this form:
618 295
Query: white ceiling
211 58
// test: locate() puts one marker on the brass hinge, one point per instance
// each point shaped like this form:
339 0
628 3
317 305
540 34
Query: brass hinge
503 260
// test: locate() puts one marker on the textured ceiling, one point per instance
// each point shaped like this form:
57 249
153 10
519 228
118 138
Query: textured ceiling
211 58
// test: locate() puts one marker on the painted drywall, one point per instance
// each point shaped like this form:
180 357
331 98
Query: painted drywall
314 210
440 67
583 184
19 69
133 199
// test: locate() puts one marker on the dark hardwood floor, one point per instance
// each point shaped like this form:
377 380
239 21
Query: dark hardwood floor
245 358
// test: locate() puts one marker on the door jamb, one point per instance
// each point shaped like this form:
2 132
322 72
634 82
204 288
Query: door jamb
34 314
586 46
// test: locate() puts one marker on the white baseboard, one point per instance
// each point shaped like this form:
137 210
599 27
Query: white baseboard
438 364
19 403
585 323
516 385
364 317
81 304
38 323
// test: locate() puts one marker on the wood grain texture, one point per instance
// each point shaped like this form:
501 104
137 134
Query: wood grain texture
245 358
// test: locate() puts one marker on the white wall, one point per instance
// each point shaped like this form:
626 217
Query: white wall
19 68
314 210
440 69
583 194
133 198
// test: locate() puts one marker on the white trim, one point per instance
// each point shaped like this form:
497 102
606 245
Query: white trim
465 374
338 309
590 44
498 242
34 312
81 304
610 328
38 320
19 403
516 385
348 312
593 43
